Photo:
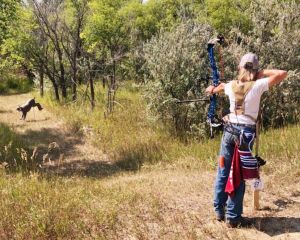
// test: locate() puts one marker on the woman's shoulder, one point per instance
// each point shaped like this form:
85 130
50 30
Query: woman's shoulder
262 84
261 81
227 87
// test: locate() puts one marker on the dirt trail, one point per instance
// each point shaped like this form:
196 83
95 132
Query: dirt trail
42 128
279 217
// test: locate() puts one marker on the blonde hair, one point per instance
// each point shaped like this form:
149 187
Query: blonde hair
247 73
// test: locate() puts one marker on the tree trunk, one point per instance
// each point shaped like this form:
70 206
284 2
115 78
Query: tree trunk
114 74
62 78
51 76
63 81
41 82
74 84
56 92
91 81
103 82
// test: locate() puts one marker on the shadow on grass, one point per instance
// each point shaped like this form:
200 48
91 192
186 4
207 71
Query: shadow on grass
5 111
132 157
39 120
129 157
277 225
81 168
43 137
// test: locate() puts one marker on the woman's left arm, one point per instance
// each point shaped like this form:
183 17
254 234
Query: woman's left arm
212 90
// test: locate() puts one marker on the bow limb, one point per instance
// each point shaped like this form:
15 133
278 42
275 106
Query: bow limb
211 115
215 80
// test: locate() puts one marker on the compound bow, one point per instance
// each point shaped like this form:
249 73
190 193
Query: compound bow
212 118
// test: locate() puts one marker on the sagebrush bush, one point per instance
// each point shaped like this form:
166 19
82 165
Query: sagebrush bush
177 66
275 38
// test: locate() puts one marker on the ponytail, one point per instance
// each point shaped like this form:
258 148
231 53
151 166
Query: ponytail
247 73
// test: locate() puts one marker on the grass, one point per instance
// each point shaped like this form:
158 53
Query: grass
165 194
14 151
133 139
280 147
130 135
58 208
161 201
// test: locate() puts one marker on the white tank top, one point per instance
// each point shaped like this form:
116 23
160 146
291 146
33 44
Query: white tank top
252 101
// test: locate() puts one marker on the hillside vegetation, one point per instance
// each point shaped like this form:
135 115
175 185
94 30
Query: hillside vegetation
113 155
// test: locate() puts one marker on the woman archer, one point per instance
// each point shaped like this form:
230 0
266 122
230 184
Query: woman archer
244 96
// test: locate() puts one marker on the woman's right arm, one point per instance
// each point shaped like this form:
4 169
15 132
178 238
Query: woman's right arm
275 76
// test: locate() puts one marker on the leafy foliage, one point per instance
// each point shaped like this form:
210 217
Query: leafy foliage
225 14
7 16
177 63
71 42
13 83
275 38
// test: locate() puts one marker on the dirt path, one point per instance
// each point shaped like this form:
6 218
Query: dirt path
186 212
189 197
41 128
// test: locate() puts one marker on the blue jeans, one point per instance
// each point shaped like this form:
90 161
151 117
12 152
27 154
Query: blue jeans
232 206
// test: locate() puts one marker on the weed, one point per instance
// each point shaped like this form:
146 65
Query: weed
14 153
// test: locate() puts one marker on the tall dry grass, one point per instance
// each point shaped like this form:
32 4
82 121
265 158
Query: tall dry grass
168 198
133 138
161 201
15 155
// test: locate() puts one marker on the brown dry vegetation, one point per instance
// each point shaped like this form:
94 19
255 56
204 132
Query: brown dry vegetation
89 195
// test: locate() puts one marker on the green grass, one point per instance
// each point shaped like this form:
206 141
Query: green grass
280 147
131 136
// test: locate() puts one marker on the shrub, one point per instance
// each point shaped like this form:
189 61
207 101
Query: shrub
14 83
274 38
178 65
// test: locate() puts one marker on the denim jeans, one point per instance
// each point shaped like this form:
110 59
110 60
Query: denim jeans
232 207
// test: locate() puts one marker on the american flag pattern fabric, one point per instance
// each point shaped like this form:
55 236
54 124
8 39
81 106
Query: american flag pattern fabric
235 176
249 165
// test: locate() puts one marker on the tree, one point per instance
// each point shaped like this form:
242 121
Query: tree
106 31
48 17
8 15
107 35
275 38
74 21
224 15
19 45
144 21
